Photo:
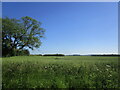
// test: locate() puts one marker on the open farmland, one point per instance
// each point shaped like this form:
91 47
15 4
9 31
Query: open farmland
60 72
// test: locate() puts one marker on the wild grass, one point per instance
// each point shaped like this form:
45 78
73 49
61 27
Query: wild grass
60 72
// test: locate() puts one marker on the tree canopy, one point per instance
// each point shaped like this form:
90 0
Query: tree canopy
20 34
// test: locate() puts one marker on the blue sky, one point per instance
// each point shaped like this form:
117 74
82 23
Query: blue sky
72 28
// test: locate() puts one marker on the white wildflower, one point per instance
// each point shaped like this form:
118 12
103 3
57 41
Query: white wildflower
107 69
108 66
100 71
110 75
45 67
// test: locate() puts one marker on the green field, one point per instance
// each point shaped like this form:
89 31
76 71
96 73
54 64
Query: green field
60 72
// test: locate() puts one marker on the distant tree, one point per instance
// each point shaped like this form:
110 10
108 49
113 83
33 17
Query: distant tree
20 34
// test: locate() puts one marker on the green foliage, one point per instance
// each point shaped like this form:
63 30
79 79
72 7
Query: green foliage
22 53
17 52
67 72
36 55
20 34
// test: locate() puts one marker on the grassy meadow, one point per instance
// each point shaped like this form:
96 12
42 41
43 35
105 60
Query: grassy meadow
60 72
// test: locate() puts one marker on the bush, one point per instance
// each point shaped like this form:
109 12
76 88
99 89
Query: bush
40 55
36 55
14 52
22 53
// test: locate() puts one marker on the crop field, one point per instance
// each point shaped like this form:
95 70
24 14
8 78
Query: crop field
60 72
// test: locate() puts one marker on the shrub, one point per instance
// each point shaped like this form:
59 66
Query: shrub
15 52
22 53
39 54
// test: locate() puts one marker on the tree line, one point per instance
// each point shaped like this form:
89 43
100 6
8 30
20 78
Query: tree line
48 55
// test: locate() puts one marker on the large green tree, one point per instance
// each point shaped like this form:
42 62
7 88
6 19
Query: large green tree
21 34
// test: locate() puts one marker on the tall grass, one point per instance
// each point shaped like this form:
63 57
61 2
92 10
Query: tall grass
60 72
